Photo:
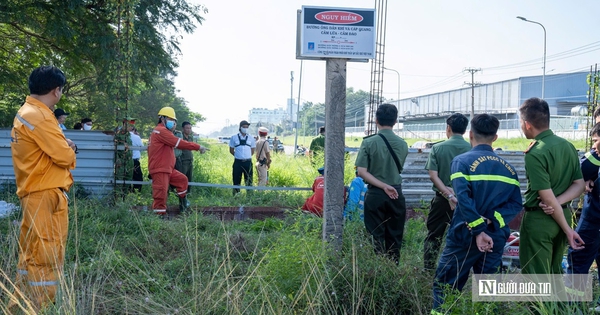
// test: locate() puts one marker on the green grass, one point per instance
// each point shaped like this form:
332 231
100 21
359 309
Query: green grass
124 261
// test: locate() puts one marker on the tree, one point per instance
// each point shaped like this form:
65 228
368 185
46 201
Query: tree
109 49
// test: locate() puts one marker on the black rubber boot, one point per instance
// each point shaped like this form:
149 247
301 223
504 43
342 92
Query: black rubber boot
184 204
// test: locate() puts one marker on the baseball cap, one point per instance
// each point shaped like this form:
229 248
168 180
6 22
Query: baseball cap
60 112
244 122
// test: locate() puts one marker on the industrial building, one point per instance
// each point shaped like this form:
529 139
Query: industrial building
566 95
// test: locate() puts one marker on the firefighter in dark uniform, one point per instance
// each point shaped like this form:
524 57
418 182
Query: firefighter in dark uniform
444 202
553 179
123 157
385 206
580 261
489 197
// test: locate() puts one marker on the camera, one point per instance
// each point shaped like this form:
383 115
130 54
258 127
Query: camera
262 161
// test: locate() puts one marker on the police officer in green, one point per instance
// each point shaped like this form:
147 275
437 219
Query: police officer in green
317 148
443 203
379 162
553 180
123 156
185 161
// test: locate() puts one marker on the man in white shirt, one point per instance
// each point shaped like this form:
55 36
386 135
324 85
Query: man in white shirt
136 141
242 146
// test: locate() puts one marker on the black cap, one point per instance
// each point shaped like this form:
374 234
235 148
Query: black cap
244 122
59 112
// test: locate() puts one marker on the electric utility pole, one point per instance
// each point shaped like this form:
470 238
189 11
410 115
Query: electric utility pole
472 84
291 107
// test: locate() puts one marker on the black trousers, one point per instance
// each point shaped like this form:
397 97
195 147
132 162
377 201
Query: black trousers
137 175
384 220
440 215
242 168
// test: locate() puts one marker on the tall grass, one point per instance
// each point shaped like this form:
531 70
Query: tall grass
124 261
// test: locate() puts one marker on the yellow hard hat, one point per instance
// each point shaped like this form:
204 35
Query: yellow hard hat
167 112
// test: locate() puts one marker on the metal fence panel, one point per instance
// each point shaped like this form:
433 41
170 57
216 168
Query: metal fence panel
95 160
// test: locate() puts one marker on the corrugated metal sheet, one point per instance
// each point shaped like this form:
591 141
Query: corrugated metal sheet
95 160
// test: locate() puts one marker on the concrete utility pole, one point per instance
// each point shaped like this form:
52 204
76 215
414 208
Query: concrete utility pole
335 113
298 109
472 84
292 97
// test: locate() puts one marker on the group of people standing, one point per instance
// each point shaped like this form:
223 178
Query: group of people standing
61 116
477 192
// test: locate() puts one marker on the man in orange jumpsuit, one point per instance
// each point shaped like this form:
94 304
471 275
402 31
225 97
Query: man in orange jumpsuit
314 203
161 162
42 160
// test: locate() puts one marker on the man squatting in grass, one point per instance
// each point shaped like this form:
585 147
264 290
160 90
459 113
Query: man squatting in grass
489 197
161 162
42 159
379 162
444 201
553 180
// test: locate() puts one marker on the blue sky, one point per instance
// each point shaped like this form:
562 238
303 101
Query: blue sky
242 55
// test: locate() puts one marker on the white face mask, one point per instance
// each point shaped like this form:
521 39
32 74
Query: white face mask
87 127
244 130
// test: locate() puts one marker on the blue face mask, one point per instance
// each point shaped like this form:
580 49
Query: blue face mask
170 124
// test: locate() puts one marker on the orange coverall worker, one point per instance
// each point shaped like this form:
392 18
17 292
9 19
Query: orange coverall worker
161 166
42 161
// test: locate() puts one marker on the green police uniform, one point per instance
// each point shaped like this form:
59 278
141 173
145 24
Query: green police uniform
123 160
551 162
384 217
440 213
317 147
186 162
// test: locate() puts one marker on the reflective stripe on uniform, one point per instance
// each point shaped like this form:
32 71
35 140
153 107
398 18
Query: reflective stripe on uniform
592 158
497 178
182 192
475 223
42 283
25 122
22 272
178 140
498 217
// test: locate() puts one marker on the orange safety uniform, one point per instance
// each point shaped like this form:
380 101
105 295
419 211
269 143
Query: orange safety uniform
161 166
314 203
42 161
